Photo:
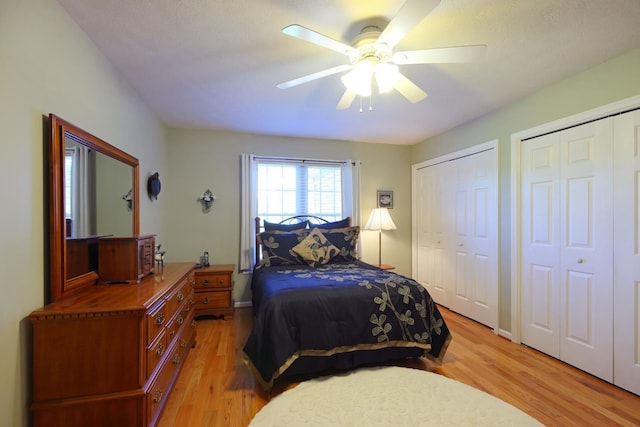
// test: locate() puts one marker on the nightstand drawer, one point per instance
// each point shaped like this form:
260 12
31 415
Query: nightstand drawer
215 299
204 281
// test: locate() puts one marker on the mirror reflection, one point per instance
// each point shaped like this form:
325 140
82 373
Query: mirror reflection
95 186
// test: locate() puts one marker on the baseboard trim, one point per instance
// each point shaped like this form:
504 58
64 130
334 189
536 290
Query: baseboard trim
504 334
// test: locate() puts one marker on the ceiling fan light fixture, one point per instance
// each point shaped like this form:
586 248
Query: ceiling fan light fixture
359 78
387 76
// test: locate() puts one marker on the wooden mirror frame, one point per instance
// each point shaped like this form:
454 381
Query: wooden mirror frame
59 286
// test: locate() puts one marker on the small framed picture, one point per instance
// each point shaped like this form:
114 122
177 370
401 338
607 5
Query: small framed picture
385 199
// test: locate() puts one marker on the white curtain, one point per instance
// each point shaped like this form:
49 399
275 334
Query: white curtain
248 210
351 191
80 196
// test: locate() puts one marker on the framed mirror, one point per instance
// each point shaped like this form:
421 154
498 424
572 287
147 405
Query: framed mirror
93 192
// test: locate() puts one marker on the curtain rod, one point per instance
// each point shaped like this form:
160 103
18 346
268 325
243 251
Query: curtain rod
310 161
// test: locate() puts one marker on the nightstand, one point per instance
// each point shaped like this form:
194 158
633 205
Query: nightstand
385 266
214 290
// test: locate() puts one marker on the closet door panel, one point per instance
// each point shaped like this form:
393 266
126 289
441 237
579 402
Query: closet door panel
627 250
459 185
431 221
586 255
484 230
540 325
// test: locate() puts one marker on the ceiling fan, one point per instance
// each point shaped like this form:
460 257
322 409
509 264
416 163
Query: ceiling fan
371 56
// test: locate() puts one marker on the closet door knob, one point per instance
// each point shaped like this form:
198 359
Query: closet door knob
580 260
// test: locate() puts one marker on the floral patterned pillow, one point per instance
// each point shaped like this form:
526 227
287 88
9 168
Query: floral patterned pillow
315 249
346 240
277 247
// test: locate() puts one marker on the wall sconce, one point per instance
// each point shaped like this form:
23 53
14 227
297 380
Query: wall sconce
129 199
207 200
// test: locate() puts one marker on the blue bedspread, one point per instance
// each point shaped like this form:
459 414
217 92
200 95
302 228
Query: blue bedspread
337 308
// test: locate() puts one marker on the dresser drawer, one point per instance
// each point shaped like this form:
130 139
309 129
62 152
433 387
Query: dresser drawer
179 296
214 299
155 351
213 280
176 322
155 319
158 392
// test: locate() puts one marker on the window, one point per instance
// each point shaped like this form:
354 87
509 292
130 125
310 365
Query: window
276 188
286 189
68 177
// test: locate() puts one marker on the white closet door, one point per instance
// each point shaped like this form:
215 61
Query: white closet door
567 271
627 252
457 234
458 186
474 217
586 254
540 165
431 223
484 229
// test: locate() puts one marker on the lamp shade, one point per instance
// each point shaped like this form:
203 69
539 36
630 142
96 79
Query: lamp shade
380 220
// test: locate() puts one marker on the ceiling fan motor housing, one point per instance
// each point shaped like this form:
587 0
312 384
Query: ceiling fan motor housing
366 48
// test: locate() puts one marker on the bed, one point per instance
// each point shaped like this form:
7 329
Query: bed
317 307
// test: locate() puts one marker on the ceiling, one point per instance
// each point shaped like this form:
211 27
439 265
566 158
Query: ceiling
214 64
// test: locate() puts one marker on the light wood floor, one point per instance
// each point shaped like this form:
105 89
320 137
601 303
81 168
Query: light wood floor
216 389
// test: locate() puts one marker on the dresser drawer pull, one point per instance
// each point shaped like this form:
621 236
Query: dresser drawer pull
172 333
180 320
205 282
192 301
180 296
193 282
220 281
157 396
160 319
193 323
160 350
176 359
205 300
183 343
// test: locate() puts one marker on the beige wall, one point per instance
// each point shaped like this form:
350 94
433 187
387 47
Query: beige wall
48 65
210 159
612 81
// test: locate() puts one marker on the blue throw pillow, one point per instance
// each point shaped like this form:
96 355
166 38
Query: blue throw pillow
272 226
331 225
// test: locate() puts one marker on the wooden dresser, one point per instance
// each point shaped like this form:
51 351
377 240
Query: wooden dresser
109 355
214 290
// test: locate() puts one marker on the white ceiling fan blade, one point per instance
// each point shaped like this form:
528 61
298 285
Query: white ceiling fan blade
409 89
409 15
314 76
314 37
346 100
441 55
